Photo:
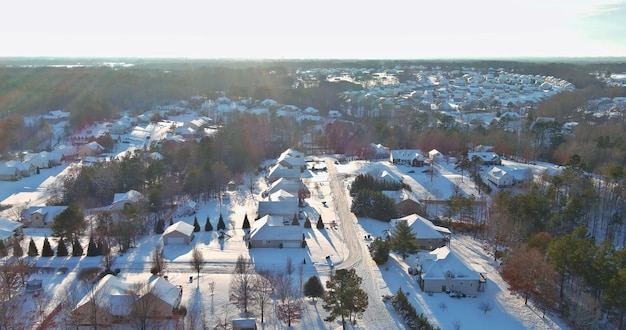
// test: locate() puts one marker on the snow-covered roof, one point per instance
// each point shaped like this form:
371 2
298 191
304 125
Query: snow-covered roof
165 290
272 227
442 263
9 225
112 294
131 196
181 227
421 227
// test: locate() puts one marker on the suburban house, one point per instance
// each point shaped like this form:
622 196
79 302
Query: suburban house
290 165
406 201
9 230
427 235
294 187
178 233
279 171
130 197
280 203
26 168
41 216
9 173
161 298
90 149
435 156
113 300
500 177
109 302
387 177
441 270
273 231
485 158
409 157
291 158
56 116
45 159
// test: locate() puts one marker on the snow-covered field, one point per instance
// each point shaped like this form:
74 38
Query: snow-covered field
507 312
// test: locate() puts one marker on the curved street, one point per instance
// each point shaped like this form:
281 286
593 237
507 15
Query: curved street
377 314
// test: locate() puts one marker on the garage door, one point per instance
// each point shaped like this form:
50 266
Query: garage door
175 240
291 244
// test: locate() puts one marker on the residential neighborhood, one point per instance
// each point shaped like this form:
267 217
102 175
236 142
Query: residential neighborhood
150 218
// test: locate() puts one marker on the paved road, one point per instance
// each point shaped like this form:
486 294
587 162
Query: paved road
377 314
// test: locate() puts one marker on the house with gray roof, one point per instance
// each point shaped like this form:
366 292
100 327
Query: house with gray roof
273 231
441 270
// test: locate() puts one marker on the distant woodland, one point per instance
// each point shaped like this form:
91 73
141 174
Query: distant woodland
97 93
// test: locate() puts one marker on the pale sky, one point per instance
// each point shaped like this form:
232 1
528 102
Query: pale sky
389 29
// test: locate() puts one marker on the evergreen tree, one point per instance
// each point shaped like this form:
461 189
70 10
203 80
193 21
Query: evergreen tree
77 249
295 221
402 240
92 248
17 248
320 223
196 225
3 249
103 247
32 249
62 249
379 249
220 223
344 297
246 222
69 222
208 226
307 222
46 250
313 287
159 228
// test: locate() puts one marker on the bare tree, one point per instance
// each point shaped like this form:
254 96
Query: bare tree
241 284
11 279
290 309
262 290
142 311
485 306
197 261
158 261
282 283
16 212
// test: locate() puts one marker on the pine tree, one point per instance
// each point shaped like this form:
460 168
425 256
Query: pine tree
320 223
92 249
208 226
32 248
220 223
62 249
307 222
77 249
159 228
246 222
344 297
403 240
295 221
17 249
313 287
379 249
46 250
196 225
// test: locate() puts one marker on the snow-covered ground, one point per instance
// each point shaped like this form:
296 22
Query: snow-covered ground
344 242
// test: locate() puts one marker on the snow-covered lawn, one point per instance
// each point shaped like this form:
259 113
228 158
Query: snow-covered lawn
507 311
